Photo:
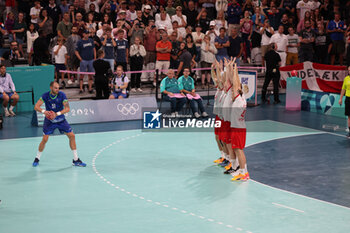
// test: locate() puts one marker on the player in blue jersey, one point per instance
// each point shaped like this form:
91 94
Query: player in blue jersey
56 105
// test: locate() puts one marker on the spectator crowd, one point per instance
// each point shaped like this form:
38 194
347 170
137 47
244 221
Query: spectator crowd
161 34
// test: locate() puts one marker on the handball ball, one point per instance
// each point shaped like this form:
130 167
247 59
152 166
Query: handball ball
294 73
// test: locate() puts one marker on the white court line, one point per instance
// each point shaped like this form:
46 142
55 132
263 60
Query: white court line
287 207
340 135
300 195
143 198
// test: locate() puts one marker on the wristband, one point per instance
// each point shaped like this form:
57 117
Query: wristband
43 111
58 113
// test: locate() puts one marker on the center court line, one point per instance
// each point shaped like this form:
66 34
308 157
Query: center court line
287 207
149 200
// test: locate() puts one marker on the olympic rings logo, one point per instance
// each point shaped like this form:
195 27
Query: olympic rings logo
128 108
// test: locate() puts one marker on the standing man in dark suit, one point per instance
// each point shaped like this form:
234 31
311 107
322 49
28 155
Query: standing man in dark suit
102 71
273 62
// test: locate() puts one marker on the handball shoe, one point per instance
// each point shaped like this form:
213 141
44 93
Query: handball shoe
219 160
79 163
229 171
7 113
36 162
241 176
229 166
12 113
224 163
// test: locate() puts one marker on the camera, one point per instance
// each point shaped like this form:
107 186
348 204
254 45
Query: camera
153 26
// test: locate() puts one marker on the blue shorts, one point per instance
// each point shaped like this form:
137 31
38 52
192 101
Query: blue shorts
49 127
8 93
86 66
117 94
20 41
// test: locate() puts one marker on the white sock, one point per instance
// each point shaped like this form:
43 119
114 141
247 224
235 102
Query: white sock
11 107
222 154
242 171
227 157
236 164
232 161
38 155
75 154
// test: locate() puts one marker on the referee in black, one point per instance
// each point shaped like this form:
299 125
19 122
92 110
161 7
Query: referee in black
273 62
102 74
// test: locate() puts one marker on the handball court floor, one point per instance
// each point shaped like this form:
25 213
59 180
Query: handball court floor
160 182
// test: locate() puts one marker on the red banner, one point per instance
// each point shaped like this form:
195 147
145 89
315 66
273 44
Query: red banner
316 77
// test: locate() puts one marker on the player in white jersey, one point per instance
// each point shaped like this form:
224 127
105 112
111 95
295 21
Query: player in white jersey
238 129
227 112
219 87
221 77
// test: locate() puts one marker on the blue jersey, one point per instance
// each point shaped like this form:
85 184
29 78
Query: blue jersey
120 50
85 49
54 103
109 48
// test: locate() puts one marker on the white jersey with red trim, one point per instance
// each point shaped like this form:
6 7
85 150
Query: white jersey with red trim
239 108
227 105
216 101
220 103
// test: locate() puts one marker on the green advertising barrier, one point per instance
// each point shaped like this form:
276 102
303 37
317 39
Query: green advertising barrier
36 78
322 102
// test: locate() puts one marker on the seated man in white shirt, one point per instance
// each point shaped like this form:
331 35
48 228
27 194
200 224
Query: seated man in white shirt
7 92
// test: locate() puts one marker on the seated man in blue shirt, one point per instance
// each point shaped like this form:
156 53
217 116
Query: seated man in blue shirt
119 84
186 86
169 87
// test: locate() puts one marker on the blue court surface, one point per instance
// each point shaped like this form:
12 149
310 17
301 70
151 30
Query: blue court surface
160 182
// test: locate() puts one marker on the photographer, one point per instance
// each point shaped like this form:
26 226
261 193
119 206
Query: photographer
13 55
137 30
122 16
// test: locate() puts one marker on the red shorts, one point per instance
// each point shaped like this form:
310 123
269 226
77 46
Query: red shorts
10 3
216 130
238 138
224 131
